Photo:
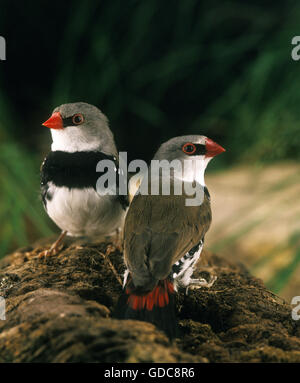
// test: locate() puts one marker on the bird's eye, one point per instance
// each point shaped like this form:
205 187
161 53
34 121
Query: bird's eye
77 119
189 148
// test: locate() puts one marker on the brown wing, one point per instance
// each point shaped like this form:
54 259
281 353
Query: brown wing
158 231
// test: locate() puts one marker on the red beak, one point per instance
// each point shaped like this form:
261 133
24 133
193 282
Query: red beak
54 122
212 148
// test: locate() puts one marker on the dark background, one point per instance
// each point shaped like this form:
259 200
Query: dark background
157 69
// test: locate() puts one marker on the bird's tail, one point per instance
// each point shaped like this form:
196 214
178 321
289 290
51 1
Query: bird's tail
156 306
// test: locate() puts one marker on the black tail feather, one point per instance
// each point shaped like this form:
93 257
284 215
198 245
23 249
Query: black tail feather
157 307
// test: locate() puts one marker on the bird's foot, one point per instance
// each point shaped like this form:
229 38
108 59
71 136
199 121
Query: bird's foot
116 245
201 282
110 249
113 247
55 248
50 252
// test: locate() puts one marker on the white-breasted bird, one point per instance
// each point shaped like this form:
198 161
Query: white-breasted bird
163 237
81 138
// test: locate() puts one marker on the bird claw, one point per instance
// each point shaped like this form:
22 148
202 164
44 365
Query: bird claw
201 282
50 252
112 247
55 248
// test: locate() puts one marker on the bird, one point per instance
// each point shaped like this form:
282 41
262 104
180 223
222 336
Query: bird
81 137
163 237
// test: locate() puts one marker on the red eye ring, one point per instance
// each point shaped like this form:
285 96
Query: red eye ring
77 119
185 148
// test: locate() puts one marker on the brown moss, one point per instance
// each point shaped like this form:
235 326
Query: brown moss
59 310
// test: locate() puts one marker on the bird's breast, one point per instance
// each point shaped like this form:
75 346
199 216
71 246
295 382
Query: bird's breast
83 212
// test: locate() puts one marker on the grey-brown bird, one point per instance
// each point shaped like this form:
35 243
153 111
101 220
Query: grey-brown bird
163 236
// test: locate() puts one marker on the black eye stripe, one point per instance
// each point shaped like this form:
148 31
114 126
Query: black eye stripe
67 121
200 149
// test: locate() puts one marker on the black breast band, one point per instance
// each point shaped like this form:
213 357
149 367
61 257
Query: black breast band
75 170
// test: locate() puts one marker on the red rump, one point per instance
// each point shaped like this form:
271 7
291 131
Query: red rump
159 296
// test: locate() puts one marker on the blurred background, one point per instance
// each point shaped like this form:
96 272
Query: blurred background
159 69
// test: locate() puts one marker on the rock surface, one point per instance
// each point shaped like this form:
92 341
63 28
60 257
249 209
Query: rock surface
59 310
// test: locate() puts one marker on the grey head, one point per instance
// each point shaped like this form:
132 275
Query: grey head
80 127
194 150
181 148
188 147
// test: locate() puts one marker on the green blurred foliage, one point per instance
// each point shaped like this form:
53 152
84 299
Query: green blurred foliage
159 69
221 68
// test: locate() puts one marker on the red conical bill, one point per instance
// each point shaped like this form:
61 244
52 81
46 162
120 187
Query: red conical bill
54 122
212 148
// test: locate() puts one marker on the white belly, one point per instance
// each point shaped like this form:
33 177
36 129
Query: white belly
83 212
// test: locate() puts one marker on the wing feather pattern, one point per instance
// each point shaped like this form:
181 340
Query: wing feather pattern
159 230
